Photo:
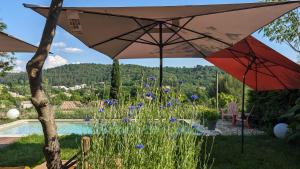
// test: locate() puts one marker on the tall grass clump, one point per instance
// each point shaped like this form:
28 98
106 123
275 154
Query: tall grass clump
148 134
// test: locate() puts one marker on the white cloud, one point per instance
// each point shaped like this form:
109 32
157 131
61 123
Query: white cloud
54 61
63 47
72 50
51 62
59 44
20 66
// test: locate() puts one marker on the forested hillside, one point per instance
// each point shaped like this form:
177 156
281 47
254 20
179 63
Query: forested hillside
75 74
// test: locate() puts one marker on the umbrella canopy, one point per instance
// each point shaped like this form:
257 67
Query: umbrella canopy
11 44
267 69
175 31
258 66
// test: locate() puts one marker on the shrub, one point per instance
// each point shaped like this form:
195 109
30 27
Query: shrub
211 114
293 118
224 99
115 80
269 106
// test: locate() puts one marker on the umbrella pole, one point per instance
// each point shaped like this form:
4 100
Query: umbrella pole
243 102
161 61
243 110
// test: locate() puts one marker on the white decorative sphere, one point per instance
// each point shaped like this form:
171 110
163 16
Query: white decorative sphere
280 130
13 114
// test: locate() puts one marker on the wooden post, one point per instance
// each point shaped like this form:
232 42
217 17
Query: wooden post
85 147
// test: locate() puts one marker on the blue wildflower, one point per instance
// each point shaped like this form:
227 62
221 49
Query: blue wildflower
149 94
126 120
146 85
169 104
140 105
152 78
107 101
114 101
173 119
139 146
167 90
194 97
101 110
131 108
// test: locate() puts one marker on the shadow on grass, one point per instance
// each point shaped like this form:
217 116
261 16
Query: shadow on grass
261 152
28 150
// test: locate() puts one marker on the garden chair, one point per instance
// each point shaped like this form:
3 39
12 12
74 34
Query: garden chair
232 112
247 117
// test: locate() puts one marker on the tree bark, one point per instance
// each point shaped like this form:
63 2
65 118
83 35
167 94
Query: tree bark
38 97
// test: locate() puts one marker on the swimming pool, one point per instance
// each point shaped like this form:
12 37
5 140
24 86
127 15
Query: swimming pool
66 127
25 128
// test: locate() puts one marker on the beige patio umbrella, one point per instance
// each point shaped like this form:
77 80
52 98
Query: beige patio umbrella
11 44
168 31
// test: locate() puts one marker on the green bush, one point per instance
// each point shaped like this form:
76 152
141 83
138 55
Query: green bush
269 106
224 99
211 114
293 119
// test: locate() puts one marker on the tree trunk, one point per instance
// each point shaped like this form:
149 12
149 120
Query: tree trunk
38 97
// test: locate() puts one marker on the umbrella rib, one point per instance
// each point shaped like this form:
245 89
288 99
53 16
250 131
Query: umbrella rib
179 29
275 64
202 34
273 74
280 65
174 40
238 60
276 77
147 32
146 41
186 41
232 10
113 38
136 41
153 25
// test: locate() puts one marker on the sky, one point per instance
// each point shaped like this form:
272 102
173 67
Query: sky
27 25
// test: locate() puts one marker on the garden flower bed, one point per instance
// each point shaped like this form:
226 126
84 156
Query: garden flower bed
150 134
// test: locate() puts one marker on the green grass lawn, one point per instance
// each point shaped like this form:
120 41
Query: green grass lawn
261 152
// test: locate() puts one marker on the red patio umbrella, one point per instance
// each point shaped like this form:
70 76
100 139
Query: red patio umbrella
258 66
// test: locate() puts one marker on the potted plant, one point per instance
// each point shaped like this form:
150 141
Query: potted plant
211 116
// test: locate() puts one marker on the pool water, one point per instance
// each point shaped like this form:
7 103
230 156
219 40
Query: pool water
63 128
82 128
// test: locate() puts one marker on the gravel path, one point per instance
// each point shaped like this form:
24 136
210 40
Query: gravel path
227 129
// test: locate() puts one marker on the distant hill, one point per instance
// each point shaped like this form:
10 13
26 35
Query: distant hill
74 74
